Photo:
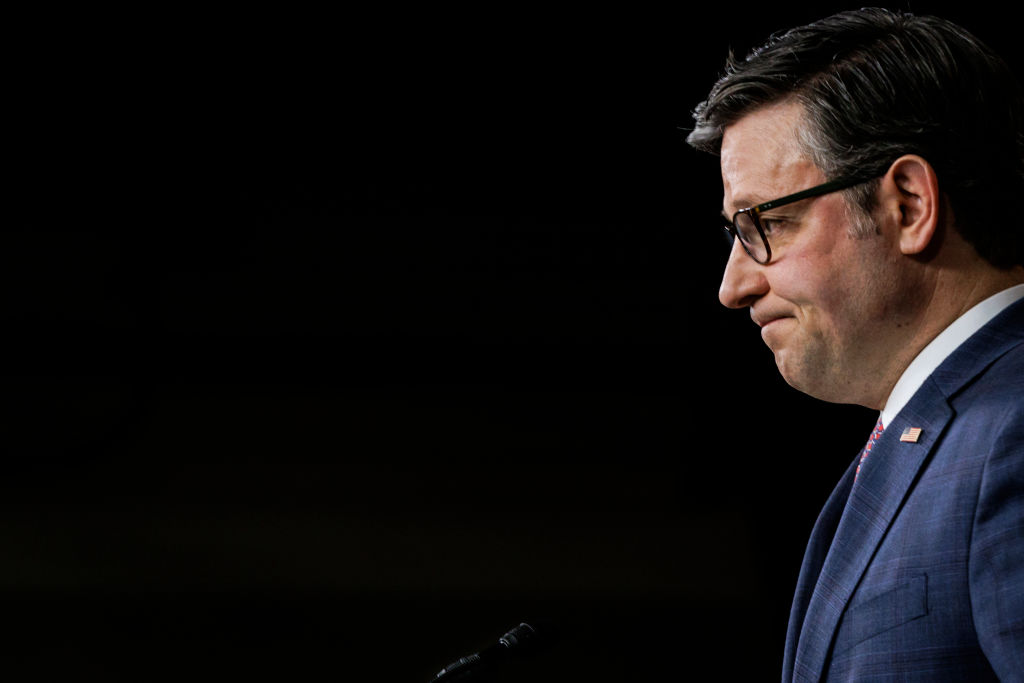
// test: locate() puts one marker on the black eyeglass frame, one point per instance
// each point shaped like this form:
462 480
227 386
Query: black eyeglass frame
755 211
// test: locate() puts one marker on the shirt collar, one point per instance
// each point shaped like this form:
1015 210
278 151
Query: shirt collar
944 344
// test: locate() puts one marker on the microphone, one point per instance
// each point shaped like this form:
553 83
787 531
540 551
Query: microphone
465 668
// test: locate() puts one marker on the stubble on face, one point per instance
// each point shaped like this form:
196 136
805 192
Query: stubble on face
830 350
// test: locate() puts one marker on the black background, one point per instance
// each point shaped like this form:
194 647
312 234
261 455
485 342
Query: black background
340 343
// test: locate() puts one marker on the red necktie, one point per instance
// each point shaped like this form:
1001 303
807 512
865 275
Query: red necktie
877 432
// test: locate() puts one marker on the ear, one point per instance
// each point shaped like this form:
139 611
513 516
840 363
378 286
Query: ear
910 199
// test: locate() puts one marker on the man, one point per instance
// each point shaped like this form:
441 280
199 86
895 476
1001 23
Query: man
872 171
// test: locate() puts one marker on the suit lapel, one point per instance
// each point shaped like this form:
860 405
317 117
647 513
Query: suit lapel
876 497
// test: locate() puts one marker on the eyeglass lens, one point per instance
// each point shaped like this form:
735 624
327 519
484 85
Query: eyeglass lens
750 237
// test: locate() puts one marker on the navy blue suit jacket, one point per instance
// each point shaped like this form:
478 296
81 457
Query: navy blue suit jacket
916 573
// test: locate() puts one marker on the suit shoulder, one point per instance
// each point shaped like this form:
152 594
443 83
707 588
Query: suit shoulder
1002 380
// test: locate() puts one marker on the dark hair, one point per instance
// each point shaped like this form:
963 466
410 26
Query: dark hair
877 84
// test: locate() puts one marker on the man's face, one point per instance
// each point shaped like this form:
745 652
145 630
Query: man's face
819 299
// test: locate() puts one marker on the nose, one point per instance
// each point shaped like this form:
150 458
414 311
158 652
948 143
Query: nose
743 281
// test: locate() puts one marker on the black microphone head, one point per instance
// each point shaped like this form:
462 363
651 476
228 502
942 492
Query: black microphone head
518 636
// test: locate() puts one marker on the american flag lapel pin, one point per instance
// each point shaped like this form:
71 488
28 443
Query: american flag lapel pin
910 435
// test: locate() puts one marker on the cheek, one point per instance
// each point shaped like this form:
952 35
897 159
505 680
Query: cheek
810 282
854 304
829 297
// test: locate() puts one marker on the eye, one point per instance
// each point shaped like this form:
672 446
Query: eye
770 225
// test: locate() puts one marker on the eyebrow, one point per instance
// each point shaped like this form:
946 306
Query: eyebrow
744 204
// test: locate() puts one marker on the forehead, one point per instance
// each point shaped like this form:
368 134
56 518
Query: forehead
762 157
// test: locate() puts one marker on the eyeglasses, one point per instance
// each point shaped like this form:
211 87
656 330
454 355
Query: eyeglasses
746 223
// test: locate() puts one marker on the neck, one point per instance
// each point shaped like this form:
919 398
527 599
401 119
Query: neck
944 297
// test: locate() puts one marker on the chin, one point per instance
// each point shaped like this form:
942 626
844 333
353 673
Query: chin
797 384
814 382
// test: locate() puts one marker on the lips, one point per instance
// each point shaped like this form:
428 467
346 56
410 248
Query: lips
767 322
762 320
